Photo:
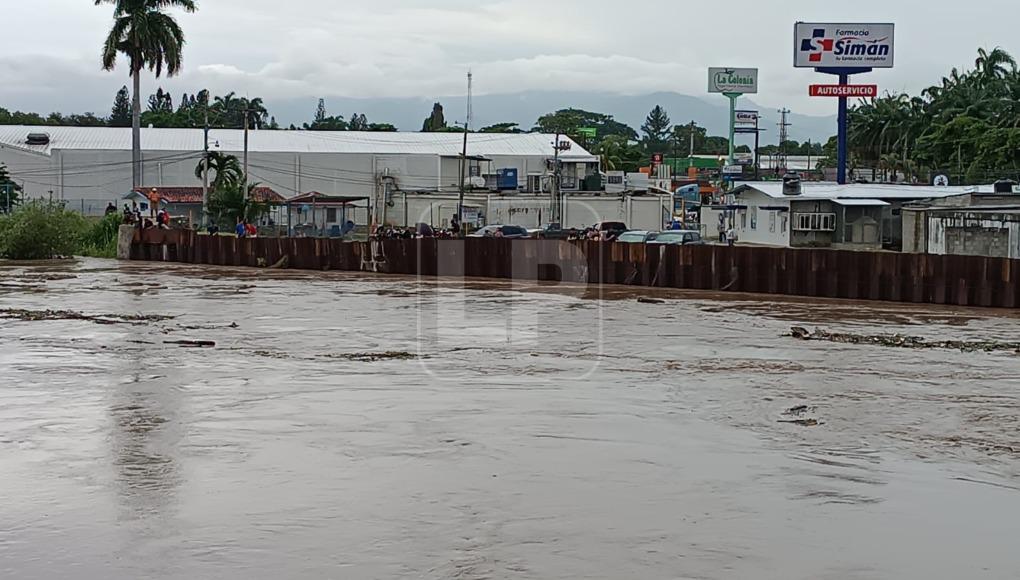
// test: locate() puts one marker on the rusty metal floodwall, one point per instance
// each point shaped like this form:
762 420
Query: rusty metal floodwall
917 278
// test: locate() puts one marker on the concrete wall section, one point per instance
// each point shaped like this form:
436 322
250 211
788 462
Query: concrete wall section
974 234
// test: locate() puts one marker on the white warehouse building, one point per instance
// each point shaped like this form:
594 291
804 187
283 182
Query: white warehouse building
88 167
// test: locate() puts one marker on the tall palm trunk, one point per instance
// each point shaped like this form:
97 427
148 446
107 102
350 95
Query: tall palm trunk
136 128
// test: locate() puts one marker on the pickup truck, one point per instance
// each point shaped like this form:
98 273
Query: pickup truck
551 232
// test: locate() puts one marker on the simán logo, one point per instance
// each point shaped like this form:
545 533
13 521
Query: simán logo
846 43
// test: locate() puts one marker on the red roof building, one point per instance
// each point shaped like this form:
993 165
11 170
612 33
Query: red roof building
184 195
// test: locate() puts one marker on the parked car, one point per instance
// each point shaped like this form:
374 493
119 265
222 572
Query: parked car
610 230
636 237
552 232
507 232
678 238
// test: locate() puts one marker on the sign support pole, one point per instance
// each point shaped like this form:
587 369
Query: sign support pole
733 124
842 139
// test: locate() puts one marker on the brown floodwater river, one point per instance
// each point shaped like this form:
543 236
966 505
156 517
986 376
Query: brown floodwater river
353 426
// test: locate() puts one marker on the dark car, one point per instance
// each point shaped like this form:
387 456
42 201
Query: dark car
678 238
507 232
610 230
636 237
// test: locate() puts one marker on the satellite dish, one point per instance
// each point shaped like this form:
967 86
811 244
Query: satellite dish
941 181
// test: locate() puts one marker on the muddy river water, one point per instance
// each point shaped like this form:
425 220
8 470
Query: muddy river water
348 426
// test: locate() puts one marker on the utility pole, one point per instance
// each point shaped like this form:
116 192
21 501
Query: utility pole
784 136
463 169
245 180
555 189
205 169
690 160
464 160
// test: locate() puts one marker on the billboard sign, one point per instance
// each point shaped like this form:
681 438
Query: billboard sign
733 80
843 45
747 118
850 91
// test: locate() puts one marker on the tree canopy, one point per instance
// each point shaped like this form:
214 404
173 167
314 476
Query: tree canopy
656 129
576 123
967 126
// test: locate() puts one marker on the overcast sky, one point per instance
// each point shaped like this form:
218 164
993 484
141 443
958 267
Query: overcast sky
49 50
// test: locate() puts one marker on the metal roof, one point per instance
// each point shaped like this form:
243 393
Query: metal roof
885 191
264 141
858 202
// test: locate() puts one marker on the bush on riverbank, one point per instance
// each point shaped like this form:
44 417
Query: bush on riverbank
40 230
100 239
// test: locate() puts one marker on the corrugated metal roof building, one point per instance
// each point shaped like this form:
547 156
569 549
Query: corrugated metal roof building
90 166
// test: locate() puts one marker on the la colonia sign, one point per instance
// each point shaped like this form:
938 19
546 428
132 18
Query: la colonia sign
733 80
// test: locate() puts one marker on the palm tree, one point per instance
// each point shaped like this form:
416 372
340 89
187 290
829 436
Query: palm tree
611 153
994 65
148 37
226 167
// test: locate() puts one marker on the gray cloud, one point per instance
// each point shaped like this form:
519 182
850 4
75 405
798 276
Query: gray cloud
419 48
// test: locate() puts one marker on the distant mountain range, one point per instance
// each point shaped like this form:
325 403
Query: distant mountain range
408 113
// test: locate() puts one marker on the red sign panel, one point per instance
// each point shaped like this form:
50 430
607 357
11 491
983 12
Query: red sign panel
657 158
851 91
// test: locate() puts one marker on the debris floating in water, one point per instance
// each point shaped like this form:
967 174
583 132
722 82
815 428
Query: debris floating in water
374 356
651 301
192 343
903 341
39 315
796 416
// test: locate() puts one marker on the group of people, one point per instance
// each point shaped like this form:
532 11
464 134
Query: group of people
727 234
133 216
245 229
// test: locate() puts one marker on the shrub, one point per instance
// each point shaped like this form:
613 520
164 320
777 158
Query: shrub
39 230
100 240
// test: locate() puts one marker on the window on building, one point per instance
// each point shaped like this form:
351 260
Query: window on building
772 222
331 215
754 218
743 219
814 222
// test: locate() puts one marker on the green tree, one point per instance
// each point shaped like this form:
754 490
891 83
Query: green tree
232 201
161 102
501 128
656 130
382 127
436 122
963 126
574 122
358 123
681 139
120 115
323 122
224 169
10 192
40 230
149 38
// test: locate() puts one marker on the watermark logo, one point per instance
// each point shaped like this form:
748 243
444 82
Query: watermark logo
518 310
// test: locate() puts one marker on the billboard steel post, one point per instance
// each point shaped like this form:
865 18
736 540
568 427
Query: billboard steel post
842 156
733 123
